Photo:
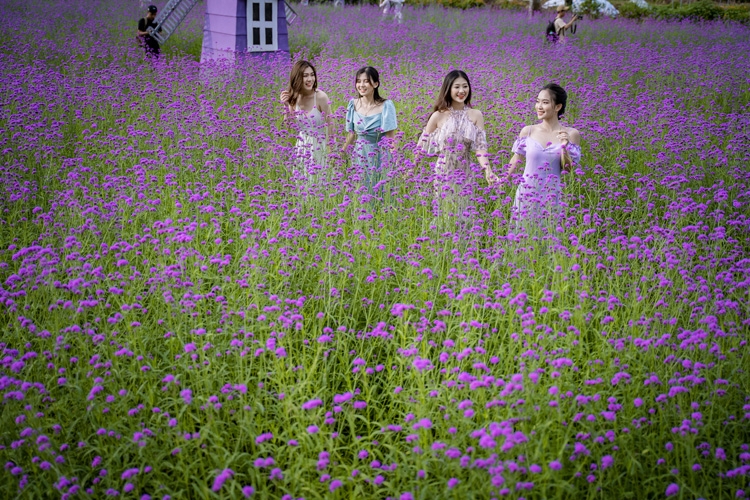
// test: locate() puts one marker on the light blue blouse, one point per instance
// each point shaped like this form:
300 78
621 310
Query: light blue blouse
371 128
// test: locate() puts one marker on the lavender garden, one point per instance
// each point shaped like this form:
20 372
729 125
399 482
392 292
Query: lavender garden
182 317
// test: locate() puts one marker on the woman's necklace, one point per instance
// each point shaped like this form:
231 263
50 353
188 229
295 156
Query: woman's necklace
366 111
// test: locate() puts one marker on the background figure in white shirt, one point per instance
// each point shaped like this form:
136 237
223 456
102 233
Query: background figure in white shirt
394 6
339 3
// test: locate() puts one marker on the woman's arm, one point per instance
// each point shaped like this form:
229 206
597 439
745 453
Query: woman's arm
482 154
567 137
518 157
423 143
284 99
514 162
389 123
325 108
350 138
351 135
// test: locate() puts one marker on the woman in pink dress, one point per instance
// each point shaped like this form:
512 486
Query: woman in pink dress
453 131
549 150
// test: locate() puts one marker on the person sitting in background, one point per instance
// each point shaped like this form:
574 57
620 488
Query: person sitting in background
560 25
146 41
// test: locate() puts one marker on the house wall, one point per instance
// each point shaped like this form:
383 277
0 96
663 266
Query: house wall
283 33
224 29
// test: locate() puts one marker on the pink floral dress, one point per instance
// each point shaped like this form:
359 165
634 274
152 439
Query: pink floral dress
455 141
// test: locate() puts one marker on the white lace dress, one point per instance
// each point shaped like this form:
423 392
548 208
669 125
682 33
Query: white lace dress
310 151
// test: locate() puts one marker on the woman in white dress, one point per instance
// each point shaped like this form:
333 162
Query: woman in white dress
453 131
310 108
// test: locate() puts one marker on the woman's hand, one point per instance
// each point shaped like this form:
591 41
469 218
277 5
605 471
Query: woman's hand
284 97
563 137
418 155
491 177
565 160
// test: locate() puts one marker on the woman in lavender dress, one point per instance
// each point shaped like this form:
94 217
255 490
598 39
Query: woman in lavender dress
453 132
549 149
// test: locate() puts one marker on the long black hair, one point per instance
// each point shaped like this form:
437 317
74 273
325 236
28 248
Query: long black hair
444 100
559 96
374 77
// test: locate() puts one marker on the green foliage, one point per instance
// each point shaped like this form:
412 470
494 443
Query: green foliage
705 10
629 10
740 13
456 4
589 8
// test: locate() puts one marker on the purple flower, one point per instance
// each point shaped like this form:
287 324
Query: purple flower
276 474
221 479
263 438
313 403
672 490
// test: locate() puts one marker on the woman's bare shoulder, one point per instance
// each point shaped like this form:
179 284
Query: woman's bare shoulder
574 134
437 117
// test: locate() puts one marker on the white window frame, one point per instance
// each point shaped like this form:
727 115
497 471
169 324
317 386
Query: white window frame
262 25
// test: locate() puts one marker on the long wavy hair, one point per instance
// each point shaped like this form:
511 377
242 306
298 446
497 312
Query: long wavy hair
444 100
297 81
374 77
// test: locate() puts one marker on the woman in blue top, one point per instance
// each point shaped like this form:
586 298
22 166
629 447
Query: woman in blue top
369 118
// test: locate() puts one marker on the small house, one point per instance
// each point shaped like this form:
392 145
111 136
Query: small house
235 27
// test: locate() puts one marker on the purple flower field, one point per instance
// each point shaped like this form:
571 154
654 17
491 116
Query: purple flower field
184 317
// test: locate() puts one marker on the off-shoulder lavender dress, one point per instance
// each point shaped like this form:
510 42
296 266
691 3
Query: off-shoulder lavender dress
538 195
454 141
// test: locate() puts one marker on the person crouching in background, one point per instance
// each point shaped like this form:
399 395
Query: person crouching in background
145 40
